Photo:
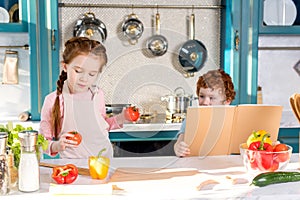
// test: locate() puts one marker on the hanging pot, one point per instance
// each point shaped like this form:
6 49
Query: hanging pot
132 28
179 102
157 44
91 27
193 53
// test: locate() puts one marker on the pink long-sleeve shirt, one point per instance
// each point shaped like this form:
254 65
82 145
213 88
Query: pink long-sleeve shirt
46 112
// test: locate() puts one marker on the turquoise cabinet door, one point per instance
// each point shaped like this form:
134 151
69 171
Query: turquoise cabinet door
44 57
240 54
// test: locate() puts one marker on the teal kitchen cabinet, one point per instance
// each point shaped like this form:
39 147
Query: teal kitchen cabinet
22 25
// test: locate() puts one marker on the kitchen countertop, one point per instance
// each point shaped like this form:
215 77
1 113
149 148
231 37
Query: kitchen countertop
156 124
176 178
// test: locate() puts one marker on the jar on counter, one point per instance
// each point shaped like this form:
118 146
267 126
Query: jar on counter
12 171
4 178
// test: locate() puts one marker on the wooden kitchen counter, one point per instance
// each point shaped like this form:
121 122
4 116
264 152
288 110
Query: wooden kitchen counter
164 178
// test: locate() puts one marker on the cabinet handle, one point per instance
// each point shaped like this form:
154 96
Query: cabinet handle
53 40
236 40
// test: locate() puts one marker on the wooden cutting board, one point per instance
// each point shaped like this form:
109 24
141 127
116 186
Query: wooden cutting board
81 170
139 174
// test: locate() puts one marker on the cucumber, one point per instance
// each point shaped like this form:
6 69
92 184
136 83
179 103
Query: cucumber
269 178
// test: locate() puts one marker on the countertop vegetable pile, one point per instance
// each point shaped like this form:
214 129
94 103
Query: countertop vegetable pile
263 154
14 143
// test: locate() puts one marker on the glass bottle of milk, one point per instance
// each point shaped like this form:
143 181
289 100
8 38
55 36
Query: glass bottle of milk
29 174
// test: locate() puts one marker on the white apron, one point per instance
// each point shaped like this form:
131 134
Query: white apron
82 114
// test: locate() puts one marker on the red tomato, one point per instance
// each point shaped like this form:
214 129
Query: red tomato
77 137
283 156
274 167
132 113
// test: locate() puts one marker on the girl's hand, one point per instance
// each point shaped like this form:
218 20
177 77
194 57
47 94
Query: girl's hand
63 143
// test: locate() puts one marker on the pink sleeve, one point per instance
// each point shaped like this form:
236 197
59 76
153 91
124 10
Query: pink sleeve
45 123
112 122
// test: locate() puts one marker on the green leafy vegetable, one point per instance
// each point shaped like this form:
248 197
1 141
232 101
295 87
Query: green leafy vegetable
13 141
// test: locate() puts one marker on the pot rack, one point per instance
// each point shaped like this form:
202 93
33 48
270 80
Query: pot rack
26 47
140 6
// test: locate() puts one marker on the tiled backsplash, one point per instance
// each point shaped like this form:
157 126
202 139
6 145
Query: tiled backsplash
133 75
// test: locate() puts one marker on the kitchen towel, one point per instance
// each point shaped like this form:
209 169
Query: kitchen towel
10 68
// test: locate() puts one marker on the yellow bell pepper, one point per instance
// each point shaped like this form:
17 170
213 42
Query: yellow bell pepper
258 136
99 166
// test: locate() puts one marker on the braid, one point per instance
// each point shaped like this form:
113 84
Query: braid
56 123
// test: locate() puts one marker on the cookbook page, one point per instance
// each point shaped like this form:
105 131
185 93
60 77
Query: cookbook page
254 117
208 129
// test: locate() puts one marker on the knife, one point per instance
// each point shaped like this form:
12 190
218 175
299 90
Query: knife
81 170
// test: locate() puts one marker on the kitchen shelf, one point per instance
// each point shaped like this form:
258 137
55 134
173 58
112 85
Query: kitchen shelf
13 27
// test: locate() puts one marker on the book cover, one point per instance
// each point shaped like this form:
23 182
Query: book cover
219 130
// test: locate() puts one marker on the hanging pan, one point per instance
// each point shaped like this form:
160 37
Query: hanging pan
193 53
157 44
132 28
91 27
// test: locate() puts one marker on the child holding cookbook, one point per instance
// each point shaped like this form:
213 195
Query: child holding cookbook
213 88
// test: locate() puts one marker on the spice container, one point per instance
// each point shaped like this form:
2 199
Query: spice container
12 171
29 174
4 181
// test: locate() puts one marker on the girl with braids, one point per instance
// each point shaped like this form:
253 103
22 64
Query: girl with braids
213 88
78 104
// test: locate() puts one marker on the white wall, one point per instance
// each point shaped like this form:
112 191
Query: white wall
15 99
276 73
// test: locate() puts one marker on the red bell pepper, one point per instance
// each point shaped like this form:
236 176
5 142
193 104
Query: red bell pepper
65 174
261 156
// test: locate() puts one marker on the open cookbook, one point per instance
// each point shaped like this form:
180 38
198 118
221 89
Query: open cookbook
219 130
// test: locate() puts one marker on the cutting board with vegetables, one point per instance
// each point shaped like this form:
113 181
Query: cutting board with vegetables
139 174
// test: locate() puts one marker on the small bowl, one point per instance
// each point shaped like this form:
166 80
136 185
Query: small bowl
256 161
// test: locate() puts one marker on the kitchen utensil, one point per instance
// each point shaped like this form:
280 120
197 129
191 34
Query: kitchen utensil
293 106
132 28
139 174
178 102
157 44
4 15
297 103
279 13
91 27
81 170
193 53
115 108
14 13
